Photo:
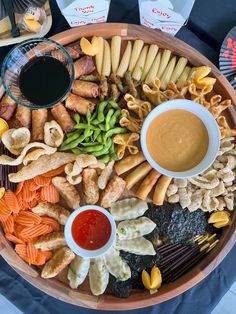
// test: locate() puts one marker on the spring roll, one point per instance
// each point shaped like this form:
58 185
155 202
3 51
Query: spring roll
79 104
39 118
128 163
7 107
63 118
22 117
84 65
90 186
85 89
147 184
74 50
138 174
112 192
160 190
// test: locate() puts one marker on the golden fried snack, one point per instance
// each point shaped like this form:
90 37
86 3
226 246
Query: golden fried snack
218 108
22 117
51 241
147 184
160 190
39 118
85 89
137 174
61 115
67 191
53 134
178 93
58 262
129 122
154 94
55 211
113 191
83 66
225 130
128 163
138 106
125 141
16 139
198 95
79 104
90 186
44 164
35 154
201 79
7 160
105 175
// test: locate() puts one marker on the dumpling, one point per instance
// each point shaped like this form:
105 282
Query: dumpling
130 229
78 271
139 246
98 275
129 208
116 266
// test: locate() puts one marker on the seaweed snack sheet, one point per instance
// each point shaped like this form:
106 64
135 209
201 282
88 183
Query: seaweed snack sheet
82 12
167 15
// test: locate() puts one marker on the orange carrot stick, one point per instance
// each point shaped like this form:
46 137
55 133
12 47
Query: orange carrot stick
35 231
50 194
51 222
11 201
14 239
8 225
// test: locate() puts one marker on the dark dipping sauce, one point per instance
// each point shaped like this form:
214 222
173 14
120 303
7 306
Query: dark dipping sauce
91 229
44 80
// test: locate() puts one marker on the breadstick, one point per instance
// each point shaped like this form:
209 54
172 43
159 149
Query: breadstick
160 190
139 173
128 163
147 184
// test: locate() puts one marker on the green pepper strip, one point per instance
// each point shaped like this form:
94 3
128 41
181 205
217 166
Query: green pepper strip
101 108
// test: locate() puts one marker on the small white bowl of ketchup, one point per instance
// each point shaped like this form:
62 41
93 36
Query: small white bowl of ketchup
90 231
180 138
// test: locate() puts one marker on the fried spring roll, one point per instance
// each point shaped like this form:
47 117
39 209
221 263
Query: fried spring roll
67 191
128 163
112 192
58 262
90 186
84 65
63 118
79 104
7 107
39 118
147 184
22 117
85 89
160 190
138 174
74 50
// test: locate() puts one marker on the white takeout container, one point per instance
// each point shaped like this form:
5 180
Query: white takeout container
205 116
75 247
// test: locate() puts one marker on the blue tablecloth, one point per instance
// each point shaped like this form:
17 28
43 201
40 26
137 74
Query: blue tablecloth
209 22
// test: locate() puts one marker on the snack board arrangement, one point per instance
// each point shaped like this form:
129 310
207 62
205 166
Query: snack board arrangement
170 233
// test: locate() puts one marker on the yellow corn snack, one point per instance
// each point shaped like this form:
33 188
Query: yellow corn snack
3 126
2 192
153 282
219 219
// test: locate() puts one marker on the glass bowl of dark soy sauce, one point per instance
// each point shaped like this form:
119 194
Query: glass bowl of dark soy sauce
38 73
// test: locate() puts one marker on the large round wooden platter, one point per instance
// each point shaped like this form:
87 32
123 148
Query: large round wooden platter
138 298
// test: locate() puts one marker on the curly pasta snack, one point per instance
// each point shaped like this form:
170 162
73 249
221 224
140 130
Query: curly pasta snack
125 141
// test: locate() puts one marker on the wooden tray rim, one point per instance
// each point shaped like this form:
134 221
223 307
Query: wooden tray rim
140 298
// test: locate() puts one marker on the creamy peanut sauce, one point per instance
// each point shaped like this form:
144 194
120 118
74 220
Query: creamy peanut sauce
177 140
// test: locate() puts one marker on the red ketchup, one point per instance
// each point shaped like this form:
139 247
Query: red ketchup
91 229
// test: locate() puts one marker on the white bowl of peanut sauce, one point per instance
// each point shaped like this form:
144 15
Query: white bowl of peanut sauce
180 138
